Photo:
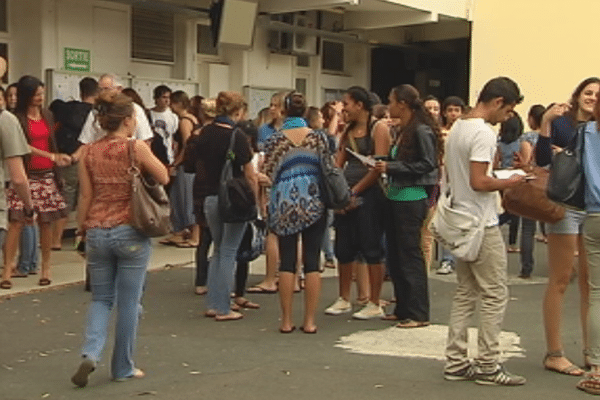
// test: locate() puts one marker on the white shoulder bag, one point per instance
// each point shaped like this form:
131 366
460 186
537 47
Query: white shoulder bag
458 231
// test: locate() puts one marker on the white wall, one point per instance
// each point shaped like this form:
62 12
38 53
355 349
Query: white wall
103 27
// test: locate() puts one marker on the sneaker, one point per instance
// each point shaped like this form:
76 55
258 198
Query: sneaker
371 310
499 377
468 373
340 306
445 268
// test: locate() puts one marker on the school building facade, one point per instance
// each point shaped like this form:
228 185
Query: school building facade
319 47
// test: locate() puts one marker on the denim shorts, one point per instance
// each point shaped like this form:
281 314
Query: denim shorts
571 224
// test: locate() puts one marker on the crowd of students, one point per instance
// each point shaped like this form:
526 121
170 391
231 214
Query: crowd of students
77 156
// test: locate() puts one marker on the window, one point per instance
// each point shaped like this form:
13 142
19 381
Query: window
303 61
152 35
204 41
332 56
3 17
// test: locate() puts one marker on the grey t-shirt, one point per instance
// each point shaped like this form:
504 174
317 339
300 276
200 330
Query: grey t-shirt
12 144
355 170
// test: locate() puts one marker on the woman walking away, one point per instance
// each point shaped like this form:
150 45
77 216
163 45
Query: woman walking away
565 237
210 149
413 170
117 254
296 207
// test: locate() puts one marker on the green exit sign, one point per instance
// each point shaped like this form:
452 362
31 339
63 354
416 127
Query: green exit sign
77 60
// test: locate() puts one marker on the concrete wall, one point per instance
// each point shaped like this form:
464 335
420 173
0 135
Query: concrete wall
546 47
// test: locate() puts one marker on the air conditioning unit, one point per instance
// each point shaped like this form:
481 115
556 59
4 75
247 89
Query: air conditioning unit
294 42
304 44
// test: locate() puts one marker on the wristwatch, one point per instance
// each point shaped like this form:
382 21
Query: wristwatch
28 213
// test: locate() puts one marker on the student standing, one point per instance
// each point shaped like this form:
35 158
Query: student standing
470 155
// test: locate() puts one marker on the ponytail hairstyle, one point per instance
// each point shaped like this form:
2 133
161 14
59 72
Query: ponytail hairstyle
359 95
112 110
409 95
294 104
180 97
228 103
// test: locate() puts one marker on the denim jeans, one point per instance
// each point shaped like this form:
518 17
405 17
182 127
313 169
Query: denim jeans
182 200
327 242
226 240
117 259
28 249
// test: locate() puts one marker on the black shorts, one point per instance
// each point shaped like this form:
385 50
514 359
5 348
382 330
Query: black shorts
358 233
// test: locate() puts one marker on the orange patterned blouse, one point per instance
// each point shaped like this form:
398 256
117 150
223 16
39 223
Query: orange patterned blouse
107 162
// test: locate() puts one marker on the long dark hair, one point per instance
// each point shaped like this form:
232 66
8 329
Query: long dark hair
409 95
359 95
26 88
573 101
511 129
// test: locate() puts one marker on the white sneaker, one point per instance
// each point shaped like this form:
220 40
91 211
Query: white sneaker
445 268
340 306
371 310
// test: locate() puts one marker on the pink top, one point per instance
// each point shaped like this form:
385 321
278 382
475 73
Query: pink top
107 162
39 133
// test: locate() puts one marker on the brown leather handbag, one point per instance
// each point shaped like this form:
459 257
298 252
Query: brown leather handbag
150 208
529 199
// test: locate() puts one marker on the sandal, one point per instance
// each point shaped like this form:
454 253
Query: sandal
409 324
232 316
137 374
44 282
80 379
572 369
6 285
590 383
18 274
201 290
186 245
260 289
245 303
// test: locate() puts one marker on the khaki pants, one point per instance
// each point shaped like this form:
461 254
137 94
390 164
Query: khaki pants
591 237
482 280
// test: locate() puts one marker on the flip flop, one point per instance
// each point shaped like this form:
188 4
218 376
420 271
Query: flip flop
311 332
292 329
260 289
44 282
390 317
409 324
186 245
247 304
19 275
6 285
232 316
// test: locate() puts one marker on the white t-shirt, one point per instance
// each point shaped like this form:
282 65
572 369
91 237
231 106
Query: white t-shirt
165 123
91 129
471 140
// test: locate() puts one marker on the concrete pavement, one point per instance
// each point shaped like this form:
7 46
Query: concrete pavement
188 356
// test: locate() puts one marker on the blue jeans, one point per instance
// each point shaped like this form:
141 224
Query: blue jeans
327 242
28 249
226 240
182 200
117 259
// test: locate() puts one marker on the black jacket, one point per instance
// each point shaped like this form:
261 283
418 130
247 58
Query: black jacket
423 171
